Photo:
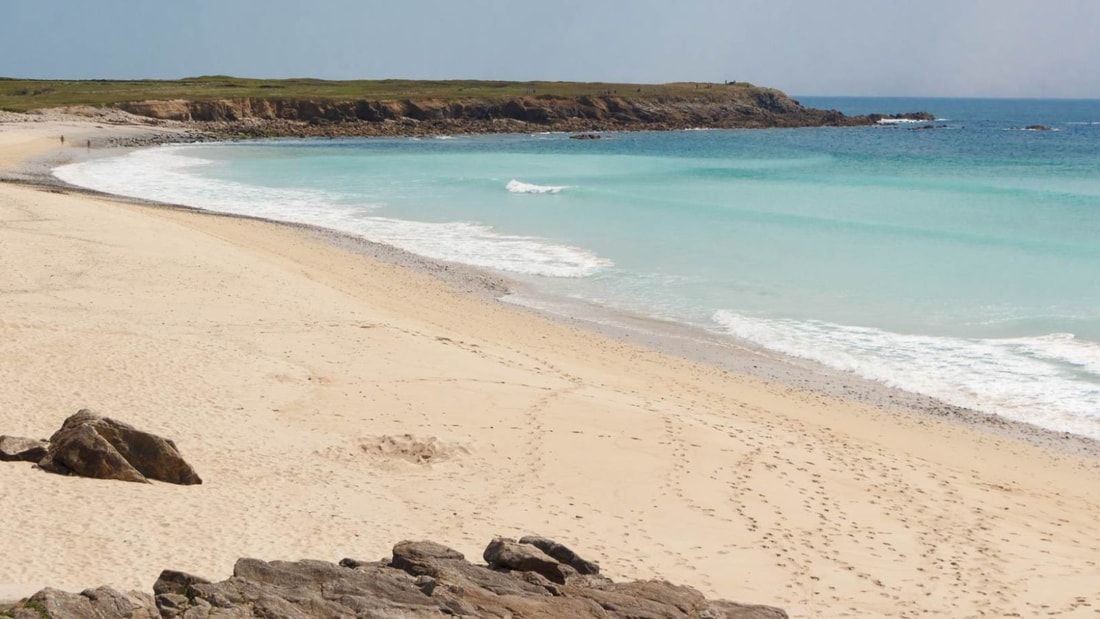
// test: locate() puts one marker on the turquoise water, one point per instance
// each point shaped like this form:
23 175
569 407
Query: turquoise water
961 262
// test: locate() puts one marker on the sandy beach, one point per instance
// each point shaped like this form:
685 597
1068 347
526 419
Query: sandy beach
335 403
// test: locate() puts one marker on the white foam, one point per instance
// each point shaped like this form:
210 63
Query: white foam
167 174
899 121
1051 381
479 245
515 186
1063 348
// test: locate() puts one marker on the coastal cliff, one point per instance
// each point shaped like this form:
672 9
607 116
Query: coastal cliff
225 106
736 108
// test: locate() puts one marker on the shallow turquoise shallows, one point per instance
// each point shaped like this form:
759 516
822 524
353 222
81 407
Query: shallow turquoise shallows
960 261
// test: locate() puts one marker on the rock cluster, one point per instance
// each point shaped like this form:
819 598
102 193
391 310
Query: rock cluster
93 446
535 577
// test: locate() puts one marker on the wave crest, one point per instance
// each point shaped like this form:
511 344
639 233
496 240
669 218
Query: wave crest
515 186
1051 381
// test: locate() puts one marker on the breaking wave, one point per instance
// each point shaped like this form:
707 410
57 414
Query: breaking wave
1051 381
515 186
170 174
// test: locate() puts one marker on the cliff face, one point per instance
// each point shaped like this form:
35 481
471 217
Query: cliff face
754 108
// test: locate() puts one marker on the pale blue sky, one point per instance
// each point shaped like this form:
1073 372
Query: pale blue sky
1004 48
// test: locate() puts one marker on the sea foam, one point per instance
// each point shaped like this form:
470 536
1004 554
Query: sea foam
1050 381
515 186
169 174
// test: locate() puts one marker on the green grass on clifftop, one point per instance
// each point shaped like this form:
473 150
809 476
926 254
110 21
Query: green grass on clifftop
21 95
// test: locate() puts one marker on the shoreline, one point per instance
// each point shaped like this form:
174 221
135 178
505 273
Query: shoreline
684 341
277 355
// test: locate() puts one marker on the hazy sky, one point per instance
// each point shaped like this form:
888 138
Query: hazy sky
1036 48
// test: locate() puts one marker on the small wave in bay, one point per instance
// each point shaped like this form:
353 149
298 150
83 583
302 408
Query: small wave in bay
515 186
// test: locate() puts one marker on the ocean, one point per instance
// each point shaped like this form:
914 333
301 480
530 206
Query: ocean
959 261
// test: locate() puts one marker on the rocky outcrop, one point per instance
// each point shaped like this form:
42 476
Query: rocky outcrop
422 579
17 448
93 446
727 107
100 603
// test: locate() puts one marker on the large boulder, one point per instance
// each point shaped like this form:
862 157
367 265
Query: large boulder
562 553
420 558
19 449
506 554
93 446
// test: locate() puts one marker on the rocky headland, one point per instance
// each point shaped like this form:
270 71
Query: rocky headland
261 117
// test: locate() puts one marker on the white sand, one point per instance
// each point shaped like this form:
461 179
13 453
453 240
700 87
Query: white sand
275 361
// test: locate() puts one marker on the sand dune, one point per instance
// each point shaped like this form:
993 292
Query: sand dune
334 403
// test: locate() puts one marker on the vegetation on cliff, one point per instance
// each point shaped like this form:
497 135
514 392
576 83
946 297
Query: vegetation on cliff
19 95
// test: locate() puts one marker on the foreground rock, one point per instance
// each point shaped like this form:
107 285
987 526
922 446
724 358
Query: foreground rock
104 602
19 449
562 554
422 579
93 446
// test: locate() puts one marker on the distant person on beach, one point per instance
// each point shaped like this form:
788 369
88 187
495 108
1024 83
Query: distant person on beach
62 139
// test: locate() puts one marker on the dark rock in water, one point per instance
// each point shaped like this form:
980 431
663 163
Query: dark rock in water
19 449
561 553
586 136
92 446
423 579
919 116
1038 128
